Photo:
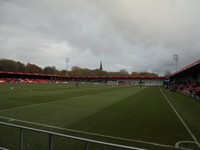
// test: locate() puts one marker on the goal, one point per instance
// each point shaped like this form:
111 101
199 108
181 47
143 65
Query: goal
112 83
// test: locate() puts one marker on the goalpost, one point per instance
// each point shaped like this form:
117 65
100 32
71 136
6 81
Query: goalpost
112 83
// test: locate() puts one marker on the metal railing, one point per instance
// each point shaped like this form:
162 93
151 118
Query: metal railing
51 134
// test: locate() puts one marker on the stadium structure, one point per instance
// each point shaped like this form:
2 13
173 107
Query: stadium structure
13 77
188 73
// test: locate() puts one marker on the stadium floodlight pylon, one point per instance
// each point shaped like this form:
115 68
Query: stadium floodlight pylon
67 61
175 57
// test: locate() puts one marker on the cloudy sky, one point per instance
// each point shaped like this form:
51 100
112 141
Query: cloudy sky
135 35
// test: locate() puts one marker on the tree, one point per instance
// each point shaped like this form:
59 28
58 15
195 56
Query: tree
21 67
144 74
32 68
123 72
135 74
8 65
50 70
75 71
62 72
167 73
148 74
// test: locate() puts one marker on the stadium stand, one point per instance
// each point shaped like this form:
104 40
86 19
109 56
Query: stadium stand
17 77
187 80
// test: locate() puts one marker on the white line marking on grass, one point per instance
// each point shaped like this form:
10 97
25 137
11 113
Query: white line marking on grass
185 125
181 142
42 103
1 148
93 134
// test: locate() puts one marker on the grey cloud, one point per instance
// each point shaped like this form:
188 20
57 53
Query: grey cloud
137 35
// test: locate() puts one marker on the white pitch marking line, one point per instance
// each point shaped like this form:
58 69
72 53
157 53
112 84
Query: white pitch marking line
187 128
93 134
1 148
180 142
41 103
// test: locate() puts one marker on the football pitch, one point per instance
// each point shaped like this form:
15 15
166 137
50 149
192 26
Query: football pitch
148 117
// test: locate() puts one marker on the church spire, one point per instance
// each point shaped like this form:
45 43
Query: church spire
101 68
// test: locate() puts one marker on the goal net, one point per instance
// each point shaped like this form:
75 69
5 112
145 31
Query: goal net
112 82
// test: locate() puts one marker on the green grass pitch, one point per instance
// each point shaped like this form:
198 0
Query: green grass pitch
133 116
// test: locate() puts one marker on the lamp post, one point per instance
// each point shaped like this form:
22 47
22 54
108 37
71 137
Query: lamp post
175 57
67 61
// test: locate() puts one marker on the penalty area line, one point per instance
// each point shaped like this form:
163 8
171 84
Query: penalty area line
184 124
91 134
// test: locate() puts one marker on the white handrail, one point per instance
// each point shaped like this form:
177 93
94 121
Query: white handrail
50 133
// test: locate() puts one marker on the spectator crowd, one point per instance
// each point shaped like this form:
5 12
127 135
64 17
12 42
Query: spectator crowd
187 88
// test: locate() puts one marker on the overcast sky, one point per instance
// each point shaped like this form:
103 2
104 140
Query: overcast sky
135 35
